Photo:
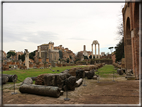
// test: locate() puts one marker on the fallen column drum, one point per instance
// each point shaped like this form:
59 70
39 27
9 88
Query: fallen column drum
11 78
79 82
51 91
4 79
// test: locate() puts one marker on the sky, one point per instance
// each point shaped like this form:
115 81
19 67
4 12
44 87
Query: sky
72 25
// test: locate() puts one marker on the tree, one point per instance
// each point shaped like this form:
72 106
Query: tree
119 50
9 54
111 49
31 55
120 31
19 57
90 56
23 57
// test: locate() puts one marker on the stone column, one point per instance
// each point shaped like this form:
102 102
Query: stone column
40 52
99 51
27 58
95 51
84 48
92 51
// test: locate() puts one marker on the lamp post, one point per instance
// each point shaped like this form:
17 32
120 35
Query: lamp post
66 99
84 80
14 80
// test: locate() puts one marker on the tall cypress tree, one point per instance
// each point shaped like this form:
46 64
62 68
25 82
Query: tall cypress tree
120 50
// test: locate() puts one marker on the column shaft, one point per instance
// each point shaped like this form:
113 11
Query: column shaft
99 51
92 51
95 51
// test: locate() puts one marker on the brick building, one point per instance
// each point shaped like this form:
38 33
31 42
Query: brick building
46 53
67 54
131 23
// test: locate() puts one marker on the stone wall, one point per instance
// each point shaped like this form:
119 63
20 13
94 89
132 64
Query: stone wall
131 36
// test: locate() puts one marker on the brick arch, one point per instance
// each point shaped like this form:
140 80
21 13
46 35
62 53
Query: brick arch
128 32
136 15
128 46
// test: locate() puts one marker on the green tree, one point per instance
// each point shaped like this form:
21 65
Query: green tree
31 55
119 50
23 57
9 54
90 56
111 49
19 57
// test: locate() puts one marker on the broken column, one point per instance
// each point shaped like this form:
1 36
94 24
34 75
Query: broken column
27 58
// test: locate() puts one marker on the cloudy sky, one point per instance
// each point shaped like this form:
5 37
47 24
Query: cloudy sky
72 25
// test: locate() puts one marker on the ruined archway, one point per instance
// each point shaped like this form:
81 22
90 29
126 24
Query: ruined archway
95 42
128 47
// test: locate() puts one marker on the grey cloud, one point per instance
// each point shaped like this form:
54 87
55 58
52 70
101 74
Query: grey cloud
35 37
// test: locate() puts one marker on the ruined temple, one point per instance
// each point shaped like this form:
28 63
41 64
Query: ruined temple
67 54
46 53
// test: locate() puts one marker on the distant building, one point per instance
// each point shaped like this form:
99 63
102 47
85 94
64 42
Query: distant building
18 53
66 53
47 53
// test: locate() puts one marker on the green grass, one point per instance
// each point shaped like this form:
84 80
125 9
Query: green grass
106 71
22 74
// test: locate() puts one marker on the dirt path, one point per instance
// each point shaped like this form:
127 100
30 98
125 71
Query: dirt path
121 91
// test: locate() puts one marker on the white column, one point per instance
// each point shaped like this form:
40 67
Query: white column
95 51
27 59
92 51
40 52
99 51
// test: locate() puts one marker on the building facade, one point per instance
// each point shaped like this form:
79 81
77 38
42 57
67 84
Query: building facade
46 53
131 23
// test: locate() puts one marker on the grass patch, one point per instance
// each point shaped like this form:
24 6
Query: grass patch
106 71
22 74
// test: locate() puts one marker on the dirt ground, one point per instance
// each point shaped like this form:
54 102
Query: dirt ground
121 91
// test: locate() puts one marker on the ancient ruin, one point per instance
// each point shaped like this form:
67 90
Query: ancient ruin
85 52
46 53
95 42
131 36
26 58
